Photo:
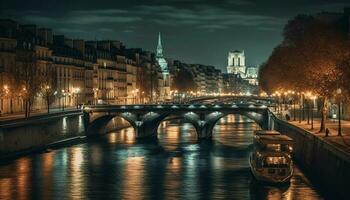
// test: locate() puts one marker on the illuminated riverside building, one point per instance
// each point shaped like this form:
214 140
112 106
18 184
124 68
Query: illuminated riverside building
86 72
208 79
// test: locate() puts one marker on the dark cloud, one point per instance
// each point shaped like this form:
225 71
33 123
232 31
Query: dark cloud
200 31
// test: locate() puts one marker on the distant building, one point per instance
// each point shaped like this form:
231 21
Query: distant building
160 58
236 65
164 81
208 79
251 75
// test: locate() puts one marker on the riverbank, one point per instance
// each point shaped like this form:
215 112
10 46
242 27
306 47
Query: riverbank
327 164
40 133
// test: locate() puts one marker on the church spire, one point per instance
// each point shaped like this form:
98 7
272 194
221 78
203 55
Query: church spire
159 46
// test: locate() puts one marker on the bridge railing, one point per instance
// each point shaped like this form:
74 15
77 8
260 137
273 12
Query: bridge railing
177 106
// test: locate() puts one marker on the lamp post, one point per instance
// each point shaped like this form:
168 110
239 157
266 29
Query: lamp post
279 103
55 96
339 112
308 96
294 111
95 95
142 97
312 111
7 92
63 99
76 92
300 107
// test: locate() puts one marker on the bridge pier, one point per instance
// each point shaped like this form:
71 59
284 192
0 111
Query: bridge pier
204 132
145 131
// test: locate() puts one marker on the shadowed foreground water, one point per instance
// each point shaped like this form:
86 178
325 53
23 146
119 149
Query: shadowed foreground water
175 167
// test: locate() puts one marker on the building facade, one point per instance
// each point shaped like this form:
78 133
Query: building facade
236 65
85 72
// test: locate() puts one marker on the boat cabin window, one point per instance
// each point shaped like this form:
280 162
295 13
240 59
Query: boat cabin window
274 147
277 147
275 162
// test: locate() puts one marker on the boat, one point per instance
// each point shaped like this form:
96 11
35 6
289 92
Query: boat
271 160
266 132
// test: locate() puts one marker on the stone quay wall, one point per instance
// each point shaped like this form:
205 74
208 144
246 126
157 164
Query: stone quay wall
326 164
20 137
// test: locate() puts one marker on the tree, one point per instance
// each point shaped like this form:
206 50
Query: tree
308 59
27 76
183 81
48 85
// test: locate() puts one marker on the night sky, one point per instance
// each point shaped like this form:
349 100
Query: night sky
193 31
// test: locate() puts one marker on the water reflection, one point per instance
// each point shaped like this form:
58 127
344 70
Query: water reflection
76 174
133 186
175 167
125 136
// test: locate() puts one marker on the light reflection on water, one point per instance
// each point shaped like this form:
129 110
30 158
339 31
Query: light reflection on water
174 167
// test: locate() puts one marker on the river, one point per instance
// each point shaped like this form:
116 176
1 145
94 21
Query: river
116 166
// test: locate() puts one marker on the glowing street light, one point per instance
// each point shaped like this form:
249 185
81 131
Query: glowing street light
339 112
76 92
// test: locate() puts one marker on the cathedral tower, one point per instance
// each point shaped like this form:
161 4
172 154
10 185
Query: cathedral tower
159 57
236 63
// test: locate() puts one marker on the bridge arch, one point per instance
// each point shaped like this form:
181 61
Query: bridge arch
206 130
152 123
98 124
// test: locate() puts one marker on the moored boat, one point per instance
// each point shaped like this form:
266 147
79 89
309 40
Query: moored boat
271 159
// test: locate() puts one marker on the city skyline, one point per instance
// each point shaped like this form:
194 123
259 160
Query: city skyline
192 33
174 99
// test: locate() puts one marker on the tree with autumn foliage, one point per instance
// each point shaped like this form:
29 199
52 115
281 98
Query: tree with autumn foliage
310 58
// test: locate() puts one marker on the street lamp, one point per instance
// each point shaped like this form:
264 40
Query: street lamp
142 97
7 93
76 92
294 111
63 98
95 95
339 112
312 111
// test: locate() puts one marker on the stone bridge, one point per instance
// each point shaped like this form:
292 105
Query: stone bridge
145 119
234 98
